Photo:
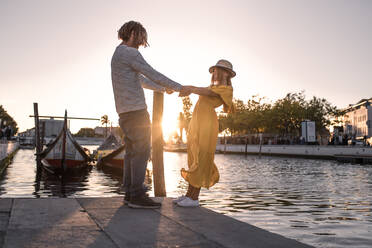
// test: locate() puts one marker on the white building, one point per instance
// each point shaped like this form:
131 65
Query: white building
102 131
52 127
28 133
358 119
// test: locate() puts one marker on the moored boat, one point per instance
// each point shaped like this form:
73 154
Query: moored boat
26 142
64 154
111 153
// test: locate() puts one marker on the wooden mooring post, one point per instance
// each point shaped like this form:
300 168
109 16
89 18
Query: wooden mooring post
157 145
63 160
42 135
37 135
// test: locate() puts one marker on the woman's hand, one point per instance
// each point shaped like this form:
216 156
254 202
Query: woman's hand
202 91
185 91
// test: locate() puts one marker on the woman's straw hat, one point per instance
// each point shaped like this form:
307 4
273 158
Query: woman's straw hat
224 64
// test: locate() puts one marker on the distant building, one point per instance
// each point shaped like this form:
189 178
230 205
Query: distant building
28 133
358 119
114 130
100 130
52 127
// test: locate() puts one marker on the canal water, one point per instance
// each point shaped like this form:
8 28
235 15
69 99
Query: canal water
319 202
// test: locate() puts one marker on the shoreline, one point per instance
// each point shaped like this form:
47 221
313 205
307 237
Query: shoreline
7 152
340 153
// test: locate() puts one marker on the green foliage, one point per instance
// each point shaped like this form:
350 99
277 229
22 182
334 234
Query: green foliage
288 113
5 117
187 114
247 118
282 117
105 121
85 132
181 124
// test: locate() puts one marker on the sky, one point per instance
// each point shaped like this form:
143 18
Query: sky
58 53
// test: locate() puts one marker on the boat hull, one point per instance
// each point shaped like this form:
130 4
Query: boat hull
114 163
114 159
64 150
72 166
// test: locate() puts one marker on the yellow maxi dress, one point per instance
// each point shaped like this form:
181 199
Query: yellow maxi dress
202 138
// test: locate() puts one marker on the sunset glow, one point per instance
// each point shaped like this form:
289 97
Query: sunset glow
170 126
186 123
272 47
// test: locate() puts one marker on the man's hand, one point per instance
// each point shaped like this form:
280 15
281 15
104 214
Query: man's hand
169 91
185 91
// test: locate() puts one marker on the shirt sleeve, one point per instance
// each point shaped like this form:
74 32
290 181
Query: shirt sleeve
226 94
148 84
139 64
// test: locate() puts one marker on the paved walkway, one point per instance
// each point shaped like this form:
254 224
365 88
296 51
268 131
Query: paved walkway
106 222
7 148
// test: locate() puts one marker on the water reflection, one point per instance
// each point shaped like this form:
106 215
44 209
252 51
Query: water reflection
117 176
51 185
318 202
309 200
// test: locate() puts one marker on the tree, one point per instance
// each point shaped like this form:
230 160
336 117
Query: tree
233 122
105 121
257 116
246 118
321 111
181 124
85 132
283 117
288 113
7 120
187 104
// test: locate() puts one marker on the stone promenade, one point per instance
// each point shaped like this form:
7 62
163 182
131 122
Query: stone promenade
106 223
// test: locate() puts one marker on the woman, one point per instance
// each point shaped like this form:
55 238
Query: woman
203 131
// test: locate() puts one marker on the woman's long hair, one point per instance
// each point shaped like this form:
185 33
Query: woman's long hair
221 77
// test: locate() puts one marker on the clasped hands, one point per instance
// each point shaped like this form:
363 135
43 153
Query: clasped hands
185 91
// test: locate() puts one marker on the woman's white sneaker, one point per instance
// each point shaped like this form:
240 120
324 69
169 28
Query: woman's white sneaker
178 199
188 202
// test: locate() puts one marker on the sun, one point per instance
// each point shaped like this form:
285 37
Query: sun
170 126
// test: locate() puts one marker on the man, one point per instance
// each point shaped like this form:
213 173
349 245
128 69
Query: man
129 73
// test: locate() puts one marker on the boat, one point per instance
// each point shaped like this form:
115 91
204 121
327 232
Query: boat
111 153
110 159
26 142
64 155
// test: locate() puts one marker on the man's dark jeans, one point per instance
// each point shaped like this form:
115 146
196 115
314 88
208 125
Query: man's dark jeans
136 127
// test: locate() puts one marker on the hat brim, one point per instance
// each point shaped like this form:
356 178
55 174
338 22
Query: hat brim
211 69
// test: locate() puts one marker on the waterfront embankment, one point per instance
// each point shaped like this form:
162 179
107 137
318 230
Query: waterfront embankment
304 151
107 222
7 151
81 140
300 151
89 141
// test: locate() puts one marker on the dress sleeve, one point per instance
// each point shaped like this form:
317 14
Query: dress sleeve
226 94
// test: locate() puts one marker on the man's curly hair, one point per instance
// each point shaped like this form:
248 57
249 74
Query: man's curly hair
139 31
